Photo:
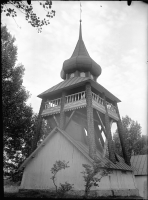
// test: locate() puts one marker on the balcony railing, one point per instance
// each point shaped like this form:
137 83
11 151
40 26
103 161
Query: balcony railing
97 98
78 97
111 108
53 103
75 97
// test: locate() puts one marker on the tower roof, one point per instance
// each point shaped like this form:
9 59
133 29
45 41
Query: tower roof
80 60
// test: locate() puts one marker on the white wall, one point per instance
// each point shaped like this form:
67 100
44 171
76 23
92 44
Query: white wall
37 174
142 185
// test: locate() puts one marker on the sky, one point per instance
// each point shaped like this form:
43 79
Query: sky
115 36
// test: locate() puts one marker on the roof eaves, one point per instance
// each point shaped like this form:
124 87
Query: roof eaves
65 84
105 90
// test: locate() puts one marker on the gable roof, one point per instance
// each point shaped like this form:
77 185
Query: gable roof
77 81
83 149
139 163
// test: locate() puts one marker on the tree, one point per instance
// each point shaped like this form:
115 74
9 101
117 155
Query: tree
45 130
18 118
10 8
64 187
134 140
91 175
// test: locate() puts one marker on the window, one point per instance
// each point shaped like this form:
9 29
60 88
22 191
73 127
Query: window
82 74
72 75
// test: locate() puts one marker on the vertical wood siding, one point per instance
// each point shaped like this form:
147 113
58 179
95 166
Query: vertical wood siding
142 185
37 174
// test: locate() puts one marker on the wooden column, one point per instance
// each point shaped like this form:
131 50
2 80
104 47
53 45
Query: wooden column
108 133
62 113
122 137
90 122
38 127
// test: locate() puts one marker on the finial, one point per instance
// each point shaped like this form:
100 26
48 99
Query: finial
80 12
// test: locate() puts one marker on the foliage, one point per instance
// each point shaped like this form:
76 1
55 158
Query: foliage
45 130
136 143
59 165
18 118
90 175
64 188
10 8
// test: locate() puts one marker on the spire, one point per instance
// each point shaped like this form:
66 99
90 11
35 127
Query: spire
80 48
80 31
80 60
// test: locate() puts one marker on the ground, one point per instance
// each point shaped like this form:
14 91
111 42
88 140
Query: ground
11 190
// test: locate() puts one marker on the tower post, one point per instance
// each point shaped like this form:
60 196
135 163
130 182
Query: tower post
122 137
108 133
90 122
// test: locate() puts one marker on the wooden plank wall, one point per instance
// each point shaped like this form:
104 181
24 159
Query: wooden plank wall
37 173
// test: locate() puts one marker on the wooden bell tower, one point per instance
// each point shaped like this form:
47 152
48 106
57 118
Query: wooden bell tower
82 107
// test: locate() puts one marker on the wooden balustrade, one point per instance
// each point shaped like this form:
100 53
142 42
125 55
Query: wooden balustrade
111 107
77 97
52 103
97 98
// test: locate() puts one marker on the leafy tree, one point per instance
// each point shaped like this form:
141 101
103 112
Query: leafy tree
18 118
63 188
90 175
10 8
45 130
134 140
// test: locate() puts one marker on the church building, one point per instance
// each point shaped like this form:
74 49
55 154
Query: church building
80 113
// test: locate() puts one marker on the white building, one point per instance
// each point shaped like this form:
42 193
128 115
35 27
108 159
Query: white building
139 163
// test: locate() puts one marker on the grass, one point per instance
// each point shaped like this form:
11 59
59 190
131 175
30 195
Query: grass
11 190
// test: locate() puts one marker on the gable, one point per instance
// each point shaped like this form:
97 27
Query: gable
83 149
51 142
57 148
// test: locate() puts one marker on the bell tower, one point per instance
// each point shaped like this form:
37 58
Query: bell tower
81 106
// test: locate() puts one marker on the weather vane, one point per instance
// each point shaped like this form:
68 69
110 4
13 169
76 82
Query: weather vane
80 11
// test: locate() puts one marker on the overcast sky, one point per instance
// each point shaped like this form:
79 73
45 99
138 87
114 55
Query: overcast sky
115 36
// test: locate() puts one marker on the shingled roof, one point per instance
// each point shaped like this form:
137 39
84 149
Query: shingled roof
121 165
77 81
139 163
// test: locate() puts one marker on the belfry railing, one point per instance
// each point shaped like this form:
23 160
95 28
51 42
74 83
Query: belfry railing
78 97
75 97
99 100
53 103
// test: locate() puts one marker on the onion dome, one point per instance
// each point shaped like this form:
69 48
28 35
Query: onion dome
80 61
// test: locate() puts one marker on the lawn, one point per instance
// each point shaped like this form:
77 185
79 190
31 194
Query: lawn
11 190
